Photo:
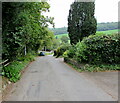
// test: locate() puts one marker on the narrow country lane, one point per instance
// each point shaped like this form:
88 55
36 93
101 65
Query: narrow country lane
50 79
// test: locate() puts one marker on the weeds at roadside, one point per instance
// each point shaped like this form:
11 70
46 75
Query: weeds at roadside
13 71
102 67
96 68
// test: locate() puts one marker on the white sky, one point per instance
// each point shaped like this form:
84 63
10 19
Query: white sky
105 11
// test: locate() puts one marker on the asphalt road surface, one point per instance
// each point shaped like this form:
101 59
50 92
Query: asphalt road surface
50 79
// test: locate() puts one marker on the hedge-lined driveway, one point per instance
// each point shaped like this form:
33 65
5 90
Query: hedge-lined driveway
50 79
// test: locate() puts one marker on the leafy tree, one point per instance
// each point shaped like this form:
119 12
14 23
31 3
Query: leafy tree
24 27
81 21
56 43
48 41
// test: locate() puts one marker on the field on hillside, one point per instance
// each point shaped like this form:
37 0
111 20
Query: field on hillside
98 32
109 31
60 35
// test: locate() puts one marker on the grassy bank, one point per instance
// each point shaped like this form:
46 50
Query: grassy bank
93 68
102 67
13 70
108 32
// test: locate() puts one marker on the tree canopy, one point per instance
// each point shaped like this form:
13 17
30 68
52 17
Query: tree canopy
81 21
24 27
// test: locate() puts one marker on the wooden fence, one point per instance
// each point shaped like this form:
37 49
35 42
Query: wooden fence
3 64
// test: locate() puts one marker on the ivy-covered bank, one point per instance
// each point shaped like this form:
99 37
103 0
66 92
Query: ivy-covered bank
96 52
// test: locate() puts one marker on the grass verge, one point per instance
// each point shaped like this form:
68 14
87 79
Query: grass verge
93 68
101 67
13 71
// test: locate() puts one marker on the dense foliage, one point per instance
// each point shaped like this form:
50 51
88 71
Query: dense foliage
14 70
24 28
64 39
24 32
100 27
97 49
81 21
60 50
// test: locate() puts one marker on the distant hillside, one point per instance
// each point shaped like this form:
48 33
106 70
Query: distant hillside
57 31
107 26
97 33
100 27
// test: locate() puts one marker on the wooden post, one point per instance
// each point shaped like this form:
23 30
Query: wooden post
25 50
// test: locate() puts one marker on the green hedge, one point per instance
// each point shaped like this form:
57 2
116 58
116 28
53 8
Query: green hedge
60 50
98 49
70 52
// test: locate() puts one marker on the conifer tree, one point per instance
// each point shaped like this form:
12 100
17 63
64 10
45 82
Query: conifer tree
81 21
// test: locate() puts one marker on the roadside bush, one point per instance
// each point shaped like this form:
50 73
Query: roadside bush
81 51
99 49
13 71
71 52
65 54
60 50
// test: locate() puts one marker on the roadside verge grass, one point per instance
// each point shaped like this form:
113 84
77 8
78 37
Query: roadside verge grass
101 68
13 71
92 68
